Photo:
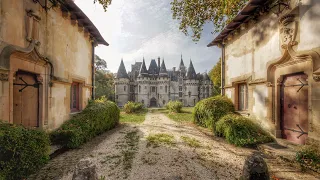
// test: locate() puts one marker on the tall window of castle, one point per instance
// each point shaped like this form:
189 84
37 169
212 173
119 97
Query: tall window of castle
180 88
74 99
180 94
124 88
153 89
243 97
139 88
166 89
160 87
145 87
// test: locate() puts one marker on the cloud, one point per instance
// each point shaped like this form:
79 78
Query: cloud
138 28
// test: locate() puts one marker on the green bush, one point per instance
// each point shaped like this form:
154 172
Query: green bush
98 117
132 107
241 131
174 106
208 111
309 156
22 151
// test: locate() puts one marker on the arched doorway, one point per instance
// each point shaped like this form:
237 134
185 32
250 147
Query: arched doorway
153 102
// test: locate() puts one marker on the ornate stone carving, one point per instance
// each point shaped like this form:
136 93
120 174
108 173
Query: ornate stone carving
288 29
316 77
4 77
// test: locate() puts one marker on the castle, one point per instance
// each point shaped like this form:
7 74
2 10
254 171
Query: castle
157 85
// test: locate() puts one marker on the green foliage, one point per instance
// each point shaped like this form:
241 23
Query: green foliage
174 106
215 76
22 151
194 14
99 116
184 116
132 107
241 131
309 156
156 139
137 117
208 111
192 142
104 81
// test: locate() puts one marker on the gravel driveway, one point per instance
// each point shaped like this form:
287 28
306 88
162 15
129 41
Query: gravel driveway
126 153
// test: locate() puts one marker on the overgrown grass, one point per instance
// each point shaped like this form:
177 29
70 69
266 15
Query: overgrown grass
309 156
138 117
184 116
156 139
192 142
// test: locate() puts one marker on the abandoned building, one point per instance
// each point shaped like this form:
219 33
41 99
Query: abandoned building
157 85
271 66
46 61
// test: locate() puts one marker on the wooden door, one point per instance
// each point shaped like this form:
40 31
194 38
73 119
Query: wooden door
294 105
26 100
153 102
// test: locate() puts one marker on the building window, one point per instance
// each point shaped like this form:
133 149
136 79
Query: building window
145 87
160 87
194 101
142 101
153 89
180 88
164 102
75 91
116 96
243 97
139 88
124 88
166 89
180 94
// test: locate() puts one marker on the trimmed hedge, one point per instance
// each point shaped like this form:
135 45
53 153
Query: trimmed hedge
208 111
132 107
99 116
22 151
174 106
241 131
309 156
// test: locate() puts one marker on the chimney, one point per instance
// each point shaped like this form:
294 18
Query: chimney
174 69
159 62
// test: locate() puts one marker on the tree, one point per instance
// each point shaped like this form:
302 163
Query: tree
104 81
215 76
193 14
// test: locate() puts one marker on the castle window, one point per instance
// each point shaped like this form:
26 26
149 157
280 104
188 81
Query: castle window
124 88
164 102
116 96
153 89
142 101
145 87
180 88
243 97
139 88
180 94
166 89
160 87
75 91
194 101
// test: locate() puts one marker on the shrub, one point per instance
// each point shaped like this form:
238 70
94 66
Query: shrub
241 131
208 111
99 116
174 106
309 156
132 107
22 151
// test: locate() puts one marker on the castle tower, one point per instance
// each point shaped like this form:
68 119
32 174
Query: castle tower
143 83
182 68
191 96
205 84
122 85
163 85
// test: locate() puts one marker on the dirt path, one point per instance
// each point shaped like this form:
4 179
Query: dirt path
125 153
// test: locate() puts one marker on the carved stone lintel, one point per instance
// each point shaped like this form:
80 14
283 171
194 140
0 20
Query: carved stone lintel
4 77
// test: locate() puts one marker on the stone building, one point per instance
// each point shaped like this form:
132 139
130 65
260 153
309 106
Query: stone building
46 61
271 66
157 85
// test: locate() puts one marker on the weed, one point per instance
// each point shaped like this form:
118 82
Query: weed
192 142
156 139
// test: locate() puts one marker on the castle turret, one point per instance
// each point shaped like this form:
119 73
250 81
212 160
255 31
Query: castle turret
163 70
143 70
122 85
163 85
143 85
192 84
205 86
182 68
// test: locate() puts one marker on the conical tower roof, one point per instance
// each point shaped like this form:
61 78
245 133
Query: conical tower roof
143 69
181 66
153 68
122 72
191 74
163 69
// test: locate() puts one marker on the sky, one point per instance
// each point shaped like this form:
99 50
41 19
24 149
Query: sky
145 28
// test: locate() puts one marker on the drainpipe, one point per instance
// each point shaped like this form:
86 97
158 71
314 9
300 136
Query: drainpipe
222 70
92 75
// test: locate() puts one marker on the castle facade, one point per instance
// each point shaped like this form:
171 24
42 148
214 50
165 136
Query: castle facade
157 85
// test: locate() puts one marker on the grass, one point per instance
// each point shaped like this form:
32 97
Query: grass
184 116
133 117
156 139
192 142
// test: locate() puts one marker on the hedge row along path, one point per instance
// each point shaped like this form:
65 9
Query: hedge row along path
125 153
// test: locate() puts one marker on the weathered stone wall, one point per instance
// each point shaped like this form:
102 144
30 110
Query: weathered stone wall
66 45
163 82
192 88
122 91
263 44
